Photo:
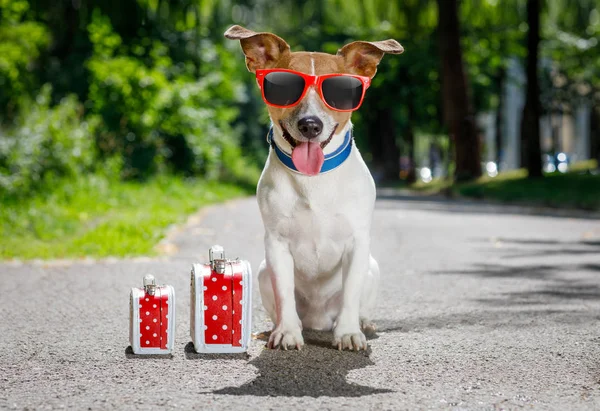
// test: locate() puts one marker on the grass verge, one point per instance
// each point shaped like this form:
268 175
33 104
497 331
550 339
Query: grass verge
579 188
97 217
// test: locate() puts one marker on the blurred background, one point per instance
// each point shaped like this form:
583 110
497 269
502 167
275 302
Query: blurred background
109 106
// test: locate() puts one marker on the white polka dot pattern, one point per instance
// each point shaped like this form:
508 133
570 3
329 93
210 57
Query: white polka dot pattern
154 319
222 320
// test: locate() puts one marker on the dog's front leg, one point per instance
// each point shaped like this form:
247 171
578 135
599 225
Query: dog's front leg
288 328
355 265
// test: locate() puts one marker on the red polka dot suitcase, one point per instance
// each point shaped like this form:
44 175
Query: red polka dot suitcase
221 304
152 318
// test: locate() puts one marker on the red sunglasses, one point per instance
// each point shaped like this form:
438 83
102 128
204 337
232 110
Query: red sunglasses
285 88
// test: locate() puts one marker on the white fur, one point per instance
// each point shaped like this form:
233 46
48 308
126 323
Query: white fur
318 272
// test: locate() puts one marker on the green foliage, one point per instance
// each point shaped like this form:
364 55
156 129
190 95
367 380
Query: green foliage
493 33
13 10
20 44
127 95
570 39
157 116
100 217
45 145
105 41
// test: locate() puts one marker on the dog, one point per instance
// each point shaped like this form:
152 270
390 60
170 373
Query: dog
316 195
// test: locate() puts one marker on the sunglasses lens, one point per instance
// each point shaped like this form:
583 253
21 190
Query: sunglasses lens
342 92
282 88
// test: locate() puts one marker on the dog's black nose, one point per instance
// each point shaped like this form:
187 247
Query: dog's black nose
310 127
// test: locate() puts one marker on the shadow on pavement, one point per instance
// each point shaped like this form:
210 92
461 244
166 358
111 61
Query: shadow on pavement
556 289
131 356
191 354
529 271
492 319
440 203
543 241
524 247
318 370
557 285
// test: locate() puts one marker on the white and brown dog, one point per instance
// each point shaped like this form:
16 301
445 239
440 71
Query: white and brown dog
316 195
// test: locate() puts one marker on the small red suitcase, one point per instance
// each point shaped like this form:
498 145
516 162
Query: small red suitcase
152 318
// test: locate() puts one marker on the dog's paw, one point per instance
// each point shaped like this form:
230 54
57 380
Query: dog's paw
349 341
286 338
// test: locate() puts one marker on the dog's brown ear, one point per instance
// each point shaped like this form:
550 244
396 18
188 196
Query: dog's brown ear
262 50
362 57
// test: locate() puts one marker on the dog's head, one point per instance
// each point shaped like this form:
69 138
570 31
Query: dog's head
310 123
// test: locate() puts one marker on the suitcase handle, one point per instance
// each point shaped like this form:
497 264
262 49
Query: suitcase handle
150 284
218 261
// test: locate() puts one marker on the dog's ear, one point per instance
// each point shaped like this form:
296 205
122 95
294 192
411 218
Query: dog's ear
262 50
362 57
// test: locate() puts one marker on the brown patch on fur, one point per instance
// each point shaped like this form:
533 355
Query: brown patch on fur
324 63
262 50
362 57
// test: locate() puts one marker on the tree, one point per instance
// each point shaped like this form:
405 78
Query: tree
530 124
570 31
458 111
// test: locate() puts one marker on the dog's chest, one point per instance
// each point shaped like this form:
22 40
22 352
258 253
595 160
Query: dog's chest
317 237
316 218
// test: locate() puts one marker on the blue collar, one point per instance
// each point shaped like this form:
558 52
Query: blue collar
332 160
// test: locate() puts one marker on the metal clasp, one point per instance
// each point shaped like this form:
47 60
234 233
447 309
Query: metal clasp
150 284
216 255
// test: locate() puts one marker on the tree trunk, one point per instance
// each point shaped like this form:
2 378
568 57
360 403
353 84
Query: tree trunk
595 134
499 116
385 160
411 177
530 124
458 111
391 153
65 44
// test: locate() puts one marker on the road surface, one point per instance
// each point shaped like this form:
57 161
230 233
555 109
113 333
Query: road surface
481 307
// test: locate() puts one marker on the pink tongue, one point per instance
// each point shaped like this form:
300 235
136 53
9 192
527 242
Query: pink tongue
308 158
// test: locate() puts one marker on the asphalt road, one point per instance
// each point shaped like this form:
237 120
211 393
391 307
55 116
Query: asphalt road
481 307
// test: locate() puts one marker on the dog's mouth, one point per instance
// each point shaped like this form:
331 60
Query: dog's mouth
307 156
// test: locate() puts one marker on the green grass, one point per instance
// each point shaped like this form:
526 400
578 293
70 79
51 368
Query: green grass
436 186
579 188
96 217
